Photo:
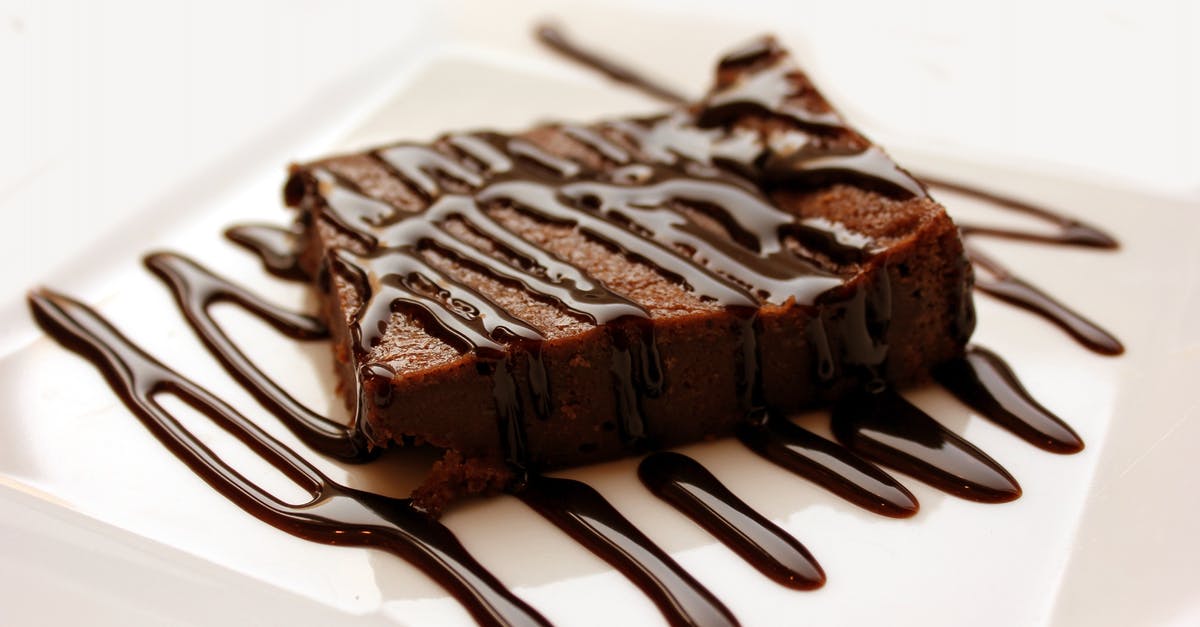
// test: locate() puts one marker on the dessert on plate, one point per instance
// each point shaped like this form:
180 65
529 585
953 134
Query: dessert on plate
579 292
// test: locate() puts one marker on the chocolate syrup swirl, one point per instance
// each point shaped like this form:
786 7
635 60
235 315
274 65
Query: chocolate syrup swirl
336 514
884 428
275 246
583 514
690 488
1069 231
829 465
554 39
1016 291
982 380
196 289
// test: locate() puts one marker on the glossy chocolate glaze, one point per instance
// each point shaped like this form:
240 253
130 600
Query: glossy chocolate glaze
829 465
275 246
1069 231
1014 290
196 289
336 514
582 513
988 385
693 490
766 90
883 427
645 215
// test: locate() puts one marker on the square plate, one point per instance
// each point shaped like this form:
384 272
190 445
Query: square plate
94 508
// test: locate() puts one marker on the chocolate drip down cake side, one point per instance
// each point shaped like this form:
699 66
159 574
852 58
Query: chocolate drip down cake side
576 293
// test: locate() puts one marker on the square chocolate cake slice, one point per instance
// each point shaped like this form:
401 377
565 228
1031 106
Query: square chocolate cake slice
577 293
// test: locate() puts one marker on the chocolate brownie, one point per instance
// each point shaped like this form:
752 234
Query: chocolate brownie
576 293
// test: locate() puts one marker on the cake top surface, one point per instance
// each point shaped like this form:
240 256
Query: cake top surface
488 238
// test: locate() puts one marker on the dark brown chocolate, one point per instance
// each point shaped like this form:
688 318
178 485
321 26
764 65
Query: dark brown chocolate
1000 282
335 515
881 426
982 380
693 490
829 465
576 293
582 513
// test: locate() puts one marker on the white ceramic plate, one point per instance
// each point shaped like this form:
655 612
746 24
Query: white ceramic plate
100 523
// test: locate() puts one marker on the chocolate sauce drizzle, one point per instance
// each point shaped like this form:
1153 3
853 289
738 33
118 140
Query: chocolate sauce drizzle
829 465
766 90
1006 286
196 289
276 247
986 383
883 427
637 208
581 512
682 599
336 514
1016 291
693 490
554 39
1068 231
